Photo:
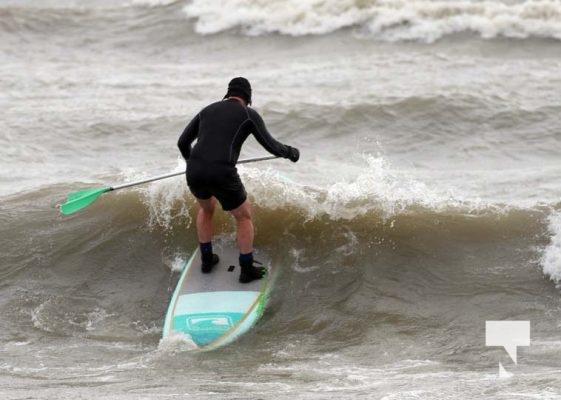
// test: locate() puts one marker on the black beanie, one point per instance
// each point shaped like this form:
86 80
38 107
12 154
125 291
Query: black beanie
239 87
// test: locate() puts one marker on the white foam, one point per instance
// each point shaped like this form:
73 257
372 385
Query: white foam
176 342
153 3
424 20
166 200
390 191
272 190
551 258
377 188
95 317
178 264
38 319
292 17
48 317
295 265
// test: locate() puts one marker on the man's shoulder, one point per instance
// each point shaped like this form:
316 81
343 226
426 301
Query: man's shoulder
231 108
224 105
212 106
253 114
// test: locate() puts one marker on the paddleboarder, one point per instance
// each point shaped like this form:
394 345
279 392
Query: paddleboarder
220 130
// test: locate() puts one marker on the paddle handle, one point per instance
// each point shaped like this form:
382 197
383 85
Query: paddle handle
157 178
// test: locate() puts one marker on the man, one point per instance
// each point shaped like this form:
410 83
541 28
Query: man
220 129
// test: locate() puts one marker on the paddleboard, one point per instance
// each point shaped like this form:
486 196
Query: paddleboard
215 309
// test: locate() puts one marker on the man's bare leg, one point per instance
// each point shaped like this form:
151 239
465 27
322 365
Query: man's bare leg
205 231
204 219
242 214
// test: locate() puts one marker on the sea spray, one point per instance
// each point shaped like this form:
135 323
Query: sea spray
166 200
551 258
377 188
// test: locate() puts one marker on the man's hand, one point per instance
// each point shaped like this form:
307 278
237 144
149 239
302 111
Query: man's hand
293 154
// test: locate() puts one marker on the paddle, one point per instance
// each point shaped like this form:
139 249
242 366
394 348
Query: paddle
83 198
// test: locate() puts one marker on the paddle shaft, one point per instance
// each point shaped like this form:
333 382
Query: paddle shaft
157 178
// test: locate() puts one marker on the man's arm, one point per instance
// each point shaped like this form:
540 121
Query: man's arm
188 136
268 142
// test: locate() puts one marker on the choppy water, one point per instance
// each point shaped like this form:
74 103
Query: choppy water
426 201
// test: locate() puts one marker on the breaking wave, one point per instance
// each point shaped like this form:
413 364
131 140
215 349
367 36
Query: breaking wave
391 20
386 20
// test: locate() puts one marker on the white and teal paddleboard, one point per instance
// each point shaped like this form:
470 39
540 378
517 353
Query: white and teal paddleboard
215 309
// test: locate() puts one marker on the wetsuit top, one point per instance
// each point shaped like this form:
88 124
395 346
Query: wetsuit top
220 130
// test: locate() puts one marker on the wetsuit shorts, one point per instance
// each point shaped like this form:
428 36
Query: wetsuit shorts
216 179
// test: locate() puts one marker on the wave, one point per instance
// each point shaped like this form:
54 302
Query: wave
390 20
377 207
377 195
385 20
97 283
87 21
376 198
551 259
389 241
376 189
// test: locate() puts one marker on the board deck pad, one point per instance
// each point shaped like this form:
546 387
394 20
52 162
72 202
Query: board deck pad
214 309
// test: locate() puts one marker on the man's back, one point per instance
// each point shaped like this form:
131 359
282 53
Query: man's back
219 123
220 130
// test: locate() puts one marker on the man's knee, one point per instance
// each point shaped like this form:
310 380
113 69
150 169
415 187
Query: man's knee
207 207
243 212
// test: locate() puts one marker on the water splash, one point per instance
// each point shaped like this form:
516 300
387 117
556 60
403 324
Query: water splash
175 343
377 188
167 200
551 258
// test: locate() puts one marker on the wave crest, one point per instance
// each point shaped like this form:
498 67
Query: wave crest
391 20
378 189
551 258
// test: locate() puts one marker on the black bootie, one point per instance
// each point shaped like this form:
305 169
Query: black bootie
250 272
208 261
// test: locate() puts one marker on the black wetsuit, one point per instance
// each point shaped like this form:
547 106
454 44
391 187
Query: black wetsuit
220 129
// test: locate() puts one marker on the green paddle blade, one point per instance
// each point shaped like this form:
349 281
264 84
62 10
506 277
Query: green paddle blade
78 200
